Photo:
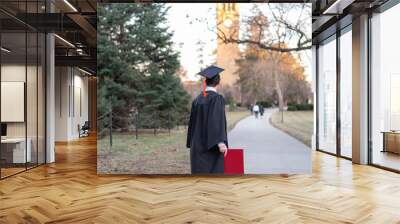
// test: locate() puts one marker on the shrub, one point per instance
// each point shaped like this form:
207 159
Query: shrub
300 106
232 106
265 104
305 106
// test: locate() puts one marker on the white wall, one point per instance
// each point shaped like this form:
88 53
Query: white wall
33 125
62 81
80 115
11 73
16 73
71 94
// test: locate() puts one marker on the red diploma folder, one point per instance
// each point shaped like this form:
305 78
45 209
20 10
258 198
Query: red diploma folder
234 163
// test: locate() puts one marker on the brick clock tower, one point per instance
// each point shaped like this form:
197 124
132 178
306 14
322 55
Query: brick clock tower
227 53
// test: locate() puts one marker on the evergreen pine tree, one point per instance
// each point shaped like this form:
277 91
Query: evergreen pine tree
137 67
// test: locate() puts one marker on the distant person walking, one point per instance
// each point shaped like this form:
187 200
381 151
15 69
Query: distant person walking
256 110
261 110
251 109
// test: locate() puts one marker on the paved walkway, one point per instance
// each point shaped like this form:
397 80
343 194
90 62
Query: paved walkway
268 150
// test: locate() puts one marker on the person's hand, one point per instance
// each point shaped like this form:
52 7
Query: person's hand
223 149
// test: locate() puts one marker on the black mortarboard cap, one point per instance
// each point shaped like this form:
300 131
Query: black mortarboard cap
211 71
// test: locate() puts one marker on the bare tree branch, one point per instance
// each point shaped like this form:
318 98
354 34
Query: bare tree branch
281 30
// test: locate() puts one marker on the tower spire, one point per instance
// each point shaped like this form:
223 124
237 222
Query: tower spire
227 53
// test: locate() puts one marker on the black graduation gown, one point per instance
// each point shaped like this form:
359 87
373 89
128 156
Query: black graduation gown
207 128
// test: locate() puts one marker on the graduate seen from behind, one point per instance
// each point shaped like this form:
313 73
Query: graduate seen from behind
207 136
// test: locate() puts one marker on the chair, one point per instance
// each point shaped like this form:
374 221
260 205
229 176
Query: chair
84 130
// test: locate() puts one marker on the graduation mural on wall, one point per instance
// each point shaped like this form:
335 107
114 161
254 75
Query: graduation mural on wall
177 85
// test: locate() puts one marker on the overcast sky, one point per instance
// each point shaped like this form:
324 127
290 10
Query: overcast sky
187 32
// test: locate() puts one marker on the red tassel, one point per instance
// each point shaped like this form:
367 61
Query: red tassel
204 88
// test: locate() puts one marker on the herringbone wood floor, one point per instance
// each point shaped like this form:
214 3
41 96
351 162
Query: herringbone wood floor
69 191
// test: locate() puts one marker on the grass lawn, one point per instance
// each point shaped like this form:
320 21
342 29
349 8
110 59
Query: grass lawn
298 124
161 154
233 117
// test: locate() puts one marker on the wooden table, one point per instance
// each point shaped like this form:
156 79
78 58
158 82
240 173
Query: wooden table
391 141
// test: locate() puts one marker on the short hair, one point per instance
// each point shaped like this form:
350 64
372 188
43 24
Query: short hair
214 81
